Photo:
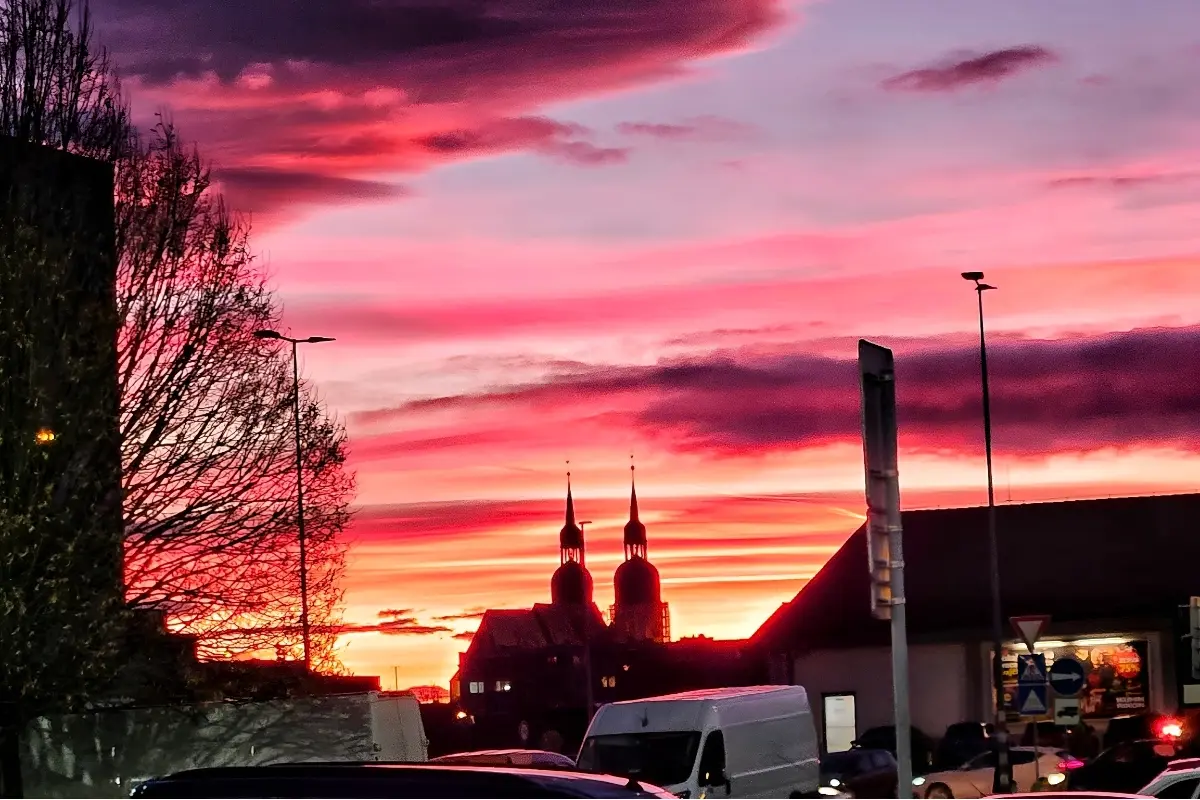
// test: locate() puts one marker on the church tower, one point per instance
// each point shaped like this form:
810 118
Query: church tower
639 613
571 584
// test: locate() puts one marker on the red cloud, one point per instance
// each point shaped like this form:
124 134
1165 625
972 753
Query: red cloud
1077 394
350 88
987 68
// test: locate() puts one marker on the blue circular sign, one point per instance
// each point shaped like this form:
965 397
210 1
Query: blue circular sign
1066 676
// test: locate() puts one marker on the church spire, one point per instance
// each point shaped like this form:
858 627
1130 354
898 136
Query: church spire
570 538
635 531
633 509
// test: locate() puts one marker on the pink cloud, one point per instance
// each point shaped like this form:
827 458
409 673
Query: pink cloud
705 127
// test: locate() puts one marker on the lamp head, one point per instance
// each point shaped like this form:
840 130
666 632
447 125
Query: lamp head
983 287
973 276
267 334
318 339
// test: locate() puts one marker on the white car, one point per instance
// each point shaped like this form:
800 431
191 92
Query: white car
1180 779
974 778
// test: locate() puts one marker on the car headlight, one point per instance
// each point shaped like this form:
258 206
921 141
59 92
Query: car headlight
1055 778
834 782
828 791
918 781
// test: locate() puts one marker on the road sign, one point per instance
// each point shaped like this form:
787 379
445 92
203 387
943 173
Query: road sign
1030 628
1031 670
880 461
1066 676
1031 700
1066 711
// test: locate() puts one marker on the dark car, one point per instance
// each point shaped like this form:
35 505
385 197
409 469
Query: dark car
1142 727
884 738
389 780
860 772
961 742
1126 767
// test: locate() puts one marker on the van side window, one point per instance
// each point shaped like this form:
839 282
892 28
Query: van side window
712 760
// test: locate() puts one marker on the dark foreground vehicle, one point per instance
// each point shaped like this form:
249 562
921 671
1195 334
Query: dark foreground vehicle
389 780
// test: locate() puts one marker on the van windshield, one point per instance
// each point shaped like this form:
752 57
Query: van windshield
658 758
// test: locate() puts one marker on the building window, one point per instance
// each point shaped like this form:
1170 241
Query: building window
503 686
475 687
609 681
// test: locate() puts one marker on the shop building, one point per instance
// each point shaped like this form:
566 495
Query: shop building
1114 575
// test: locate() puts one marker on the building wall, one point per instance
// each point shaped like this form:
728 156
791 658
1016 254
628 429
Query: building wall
951 683
938 684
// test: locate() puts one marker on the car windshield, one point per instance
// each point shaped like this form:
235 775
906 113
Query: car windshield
844 763
660 758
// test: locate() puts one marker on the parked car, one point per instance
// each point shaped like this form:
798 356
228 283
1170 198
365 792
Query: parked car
1126 767
374 780
884 738
509 758
1180 779
860 772
1141 727
974 778
961 742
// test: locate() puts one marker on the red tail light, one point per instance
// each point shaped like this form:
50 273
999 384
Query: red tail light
1069 763
1168 728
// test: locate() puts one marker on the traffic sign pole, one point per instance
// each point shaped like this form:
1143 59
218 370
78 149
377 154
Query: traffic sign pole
885 544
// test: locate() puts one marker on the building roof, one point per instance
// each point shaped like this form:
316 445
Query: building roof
521 629
1111 559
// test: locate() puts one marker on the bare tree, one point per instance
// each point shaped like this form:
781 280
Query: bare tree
205 419
210 503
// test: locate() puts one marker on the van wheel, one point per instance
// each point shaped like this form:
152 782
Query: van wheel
939 790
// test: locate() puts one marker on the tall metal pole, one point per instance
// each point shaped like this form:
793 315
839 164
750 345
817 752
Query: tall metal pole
1002 776
267 333
589 691
900 704
885 535
304 626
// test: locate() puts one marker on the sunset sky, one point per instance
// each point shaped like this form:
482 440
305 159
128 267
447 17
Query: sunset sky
544 230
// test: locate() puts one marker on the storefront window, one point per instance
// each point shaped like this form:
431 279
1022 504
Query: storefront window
1116 674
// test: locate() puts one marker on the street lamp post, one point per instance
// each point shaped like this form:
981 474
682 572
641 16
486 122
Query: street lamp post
304 626
1002 777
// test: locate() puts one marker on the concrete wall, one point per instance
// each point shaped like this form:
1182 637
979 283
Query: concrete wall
939 684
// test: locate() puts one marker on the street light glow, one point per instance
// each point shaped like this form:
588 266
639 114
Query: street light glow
45 436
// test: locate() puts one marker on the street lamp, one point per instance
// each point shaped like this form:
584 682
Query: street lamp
1002 776
44 436
304 626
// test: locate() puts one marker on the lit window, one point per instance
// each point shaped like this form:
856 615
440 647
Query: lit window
503 686
476 687
609 681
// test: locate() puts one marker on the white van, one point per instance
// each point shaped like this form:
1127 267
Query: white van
755 741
